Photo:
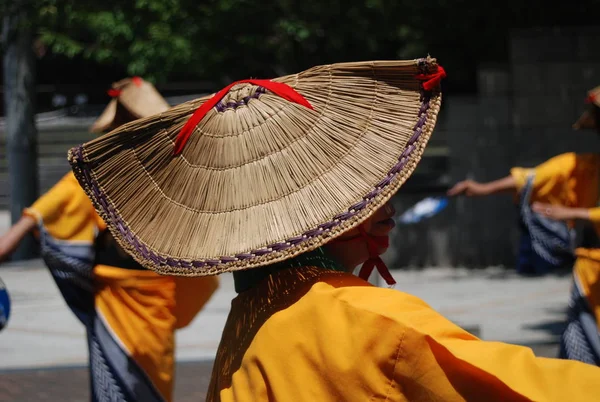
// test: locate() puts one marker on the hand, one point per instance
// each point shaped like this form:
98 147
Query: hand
559 212
469 188
5 248
11 239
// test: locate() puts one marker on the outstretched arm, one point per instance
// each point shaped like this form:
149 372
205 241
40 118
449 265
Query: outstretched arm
561 213
472 188
11 239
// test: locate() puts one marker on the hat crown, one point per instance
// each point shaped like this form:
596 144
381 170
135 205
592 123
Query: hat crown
239 92
239 95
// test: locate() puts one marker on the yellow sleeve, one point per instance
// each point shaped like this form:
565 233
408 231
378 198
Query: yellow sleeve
520 176
442 359
426 357
595 214
50 205
550 176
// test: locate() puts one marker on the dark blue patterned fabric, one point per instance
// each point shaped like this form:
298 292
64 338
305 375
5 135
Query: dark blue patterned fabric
545 244
115 377
580 340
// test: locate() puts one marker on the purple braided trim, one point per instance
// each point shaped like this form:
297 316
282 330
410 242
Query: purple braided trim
273 248
221 107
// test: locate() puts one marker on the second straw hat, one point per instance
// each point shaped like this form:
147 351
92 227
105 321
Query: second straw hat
132 98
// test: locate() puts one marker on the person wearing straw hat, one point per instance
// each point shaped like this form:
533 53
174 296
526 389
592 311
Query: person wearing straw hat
286 183
130 313
570 181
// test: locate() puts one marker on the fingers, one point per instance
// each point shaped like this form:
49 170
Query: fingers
543 209
457 189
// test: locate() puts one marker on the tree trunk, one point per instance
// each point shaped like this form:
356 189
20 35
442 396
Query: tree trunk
20 129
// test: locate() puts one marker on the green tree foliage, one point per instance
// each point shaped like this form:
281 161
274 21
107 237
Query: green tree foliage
221 40
150 37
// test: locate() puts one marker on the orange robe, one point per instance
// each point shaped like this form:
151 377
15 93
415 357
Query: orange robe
139 308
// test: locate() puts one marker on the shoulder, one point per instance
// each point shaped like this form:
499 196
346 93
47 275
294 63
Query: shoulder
357 306
565 158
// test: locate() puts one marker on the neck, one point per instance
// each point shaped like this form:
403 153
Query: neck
318 258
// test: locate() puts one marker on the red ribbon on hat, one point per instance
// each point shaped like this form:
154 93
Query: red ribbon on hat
590 99
278 88
432 80
114 93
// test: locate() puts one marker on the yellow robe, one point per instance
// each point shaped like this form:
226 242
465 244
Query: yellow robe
141 308
312 335
570 179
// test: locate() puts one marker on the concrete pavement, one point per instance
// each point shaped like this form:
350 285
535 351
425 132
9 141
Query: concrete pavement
42 332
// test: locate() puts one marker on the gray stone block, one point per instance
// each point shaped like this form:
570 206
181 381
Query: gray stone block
589 75
587 45
461 113
528 78
495 113
522 49
561 77
559 110
542 45
528 110
494 81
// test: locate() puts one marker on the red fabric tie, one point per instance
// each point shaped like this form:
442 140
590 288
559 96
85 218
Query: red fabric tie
137 81
590 99
374 261
432 80
278 88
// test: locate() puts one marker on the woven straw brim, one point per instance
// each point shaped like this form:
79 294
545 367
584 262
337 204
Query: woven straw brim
134 102
143 101
106 119
261 179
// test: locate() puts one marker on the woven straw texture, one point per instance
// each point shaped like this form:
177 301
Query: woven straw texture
261 179
133 98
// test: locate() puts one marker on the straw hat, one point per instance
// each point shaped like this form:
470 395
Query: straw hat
133 98
589 117
263 170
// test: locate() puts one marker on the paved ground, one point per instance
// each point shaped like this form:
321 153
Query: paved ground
70 384
43 352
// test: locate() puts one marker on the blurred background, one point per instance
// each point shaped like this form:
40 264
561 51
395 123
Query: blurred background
518 73
517 76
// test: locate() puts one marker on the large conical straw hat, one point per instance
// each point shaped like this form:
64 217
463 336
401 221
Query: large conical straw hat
263 170
588 118
133 98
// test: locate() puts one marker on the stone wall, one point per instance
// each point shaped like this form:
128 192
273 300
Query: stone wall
521 116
